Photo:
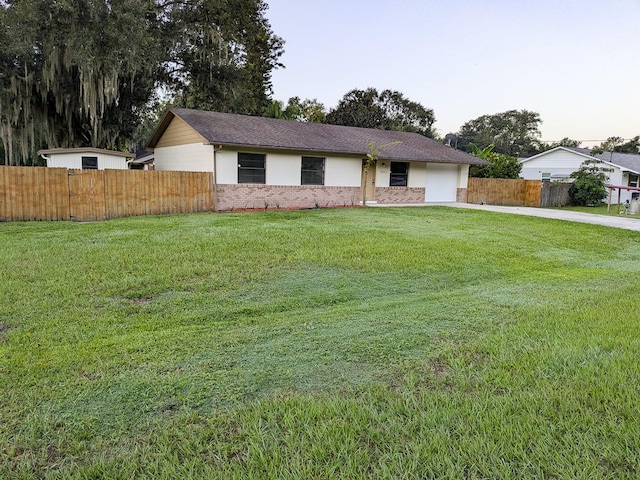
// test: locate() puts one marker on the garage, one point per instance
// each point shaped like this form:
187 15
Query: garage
442 182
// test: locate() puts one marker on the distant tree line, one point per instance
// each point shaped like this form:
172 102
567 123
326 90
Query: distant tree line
386 110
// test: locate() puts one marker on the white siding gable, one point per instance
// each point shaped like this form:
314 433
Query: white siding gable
559 163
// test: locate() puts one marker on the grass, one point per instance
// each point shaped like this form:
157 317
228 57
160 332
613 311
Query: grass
351 343
601 210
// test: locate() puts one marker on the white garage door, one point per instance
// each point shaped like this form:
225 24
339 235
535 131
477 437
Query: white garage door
442 183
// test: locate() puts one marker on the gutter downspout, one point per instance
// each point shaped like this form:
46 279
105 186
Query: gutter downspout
46 159
215 177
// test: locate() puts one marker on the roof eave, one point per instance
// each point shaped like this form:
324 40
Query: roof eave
363 154
104 151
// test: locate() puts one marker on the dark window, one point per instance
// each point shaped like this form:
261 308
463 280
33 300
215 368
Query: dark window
90 163
633 180
312 171
399 174
251 168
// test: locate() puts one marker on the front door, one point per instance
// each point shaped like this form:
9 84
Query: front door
369 183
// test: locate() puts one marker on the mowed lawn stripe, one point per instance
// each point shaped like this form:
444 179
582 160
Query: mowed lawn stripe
349 343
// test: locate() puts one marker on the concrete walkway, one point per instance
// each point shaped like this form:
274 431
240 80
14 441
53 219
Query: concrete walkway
615 221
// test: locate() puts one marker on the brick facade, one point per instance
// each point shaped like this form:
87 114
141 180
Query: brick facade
399 195
251 196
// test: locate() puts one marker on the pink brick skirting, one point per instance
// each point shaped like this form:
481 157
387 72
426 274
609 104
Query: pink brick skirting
399 195
250 196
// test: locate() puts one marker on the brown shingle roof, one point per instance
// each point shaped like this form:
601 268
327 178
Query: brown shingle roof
269 133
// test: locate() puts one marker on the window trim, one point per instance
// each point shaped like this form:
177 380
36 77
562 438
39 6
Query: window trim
322 161
404 175
637 180
246 170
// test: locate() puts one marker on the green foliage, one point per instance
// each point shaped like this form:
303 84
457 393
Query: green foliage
387 110
86 73
565 142
300 110
224 53
514 132
349 343
306 110
631 146
502 166
617 144
70 76
588 187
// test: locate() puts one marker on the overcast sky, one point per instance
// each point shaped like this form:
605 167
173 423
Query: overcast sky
577 63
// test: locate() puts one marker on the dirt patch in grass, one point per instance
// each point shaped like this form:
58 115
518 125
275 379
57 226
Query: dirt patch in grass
440 367
3 330
141 300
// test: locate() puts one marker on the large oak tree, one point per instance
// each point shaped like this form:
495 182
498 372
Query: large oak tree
83 72
386 110
515 133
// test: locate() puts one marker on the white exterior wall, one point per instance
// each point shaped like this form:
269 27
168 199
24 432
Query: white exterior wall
193 157
560 164
617 177
417 174
463 176
74 160
342 172
283 169
227 167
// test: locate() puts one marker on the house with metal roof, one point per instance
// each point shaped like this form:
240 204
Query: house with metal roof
271 163
560 162
86 158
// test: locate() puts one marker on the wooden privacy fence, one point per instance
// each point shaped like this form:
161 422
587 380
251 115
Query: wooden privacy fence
502 191
518 192
41 193
555 194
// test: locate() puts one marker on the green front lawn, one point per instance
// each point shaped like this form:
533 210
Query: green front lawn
601 210
350 343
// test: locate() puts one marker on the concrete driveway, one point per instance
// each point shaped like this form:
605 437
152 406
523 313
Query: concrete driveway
616 221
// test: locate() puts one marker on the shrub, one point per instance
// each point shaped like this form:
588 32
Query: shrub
588 188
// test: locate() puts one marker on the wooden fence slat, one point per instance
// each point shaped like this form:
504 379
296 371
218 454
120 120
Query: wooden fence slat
41 193
4 198
502 191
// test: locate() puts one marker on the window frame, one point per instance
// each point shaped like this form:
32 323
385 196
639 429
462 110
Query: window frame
312 172
252 174
86 165
631 182
402 176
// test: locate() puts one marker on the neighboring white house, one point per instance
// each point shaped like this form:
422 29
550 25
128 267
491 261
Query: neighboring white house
86 158
560 162
143 161
264 162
